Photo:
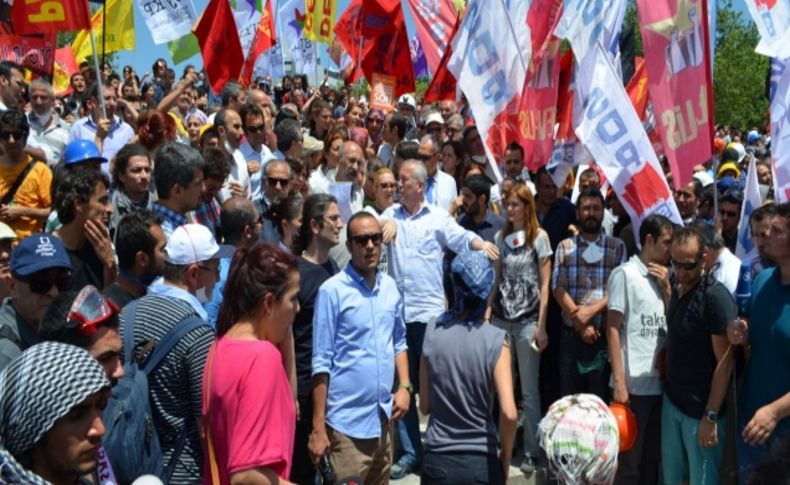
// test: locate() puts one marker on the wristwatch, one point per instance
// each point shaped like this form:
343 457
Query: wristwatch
408 387
711 416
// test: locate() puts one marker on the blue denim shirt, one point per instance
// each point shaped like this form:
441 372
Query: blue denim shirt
357 332
415 257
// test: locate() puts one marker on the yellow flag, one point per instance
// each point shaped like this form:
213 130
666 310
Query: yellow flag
120 30
319 22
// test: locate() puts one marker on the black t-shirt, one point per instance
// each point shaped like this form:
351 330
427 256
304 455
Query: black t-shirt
691 321
311 277
118 295
88 269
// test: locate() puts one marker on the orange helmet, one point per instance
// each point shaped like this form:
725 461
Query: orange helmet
626 424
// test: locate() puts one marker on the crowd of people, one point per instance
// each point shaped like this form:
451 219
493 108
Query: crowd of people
268 286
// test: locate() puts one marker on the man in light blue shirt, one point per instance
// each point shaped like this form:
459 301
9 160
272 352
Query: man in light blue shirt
415 256
85 128
358 344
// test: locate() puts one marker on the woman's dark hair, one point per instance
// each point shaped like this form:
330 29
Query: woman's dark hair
286 209
254 272
313 209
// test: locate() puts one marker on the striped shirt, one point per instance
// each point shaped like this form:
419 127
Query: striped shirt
175 386
586 282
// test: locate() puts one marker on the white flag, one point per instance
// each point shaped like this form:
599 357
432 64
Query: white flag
585 22
490 69
270 62
610 129
773 23
780 128
247 18
168 21
746 250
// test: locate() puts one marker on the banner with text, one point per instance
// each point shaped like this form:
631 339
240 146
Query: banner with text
675 37
320 20
780 128
168 21
608 126
36 54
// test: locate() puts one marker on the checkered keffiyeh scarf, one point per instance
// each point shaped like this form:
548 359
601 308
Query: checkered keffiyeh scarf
41 386
12 472
581 440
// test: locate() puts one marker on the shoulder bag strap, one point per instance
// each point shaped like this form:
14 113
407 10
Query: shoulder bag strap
212 457
171 338
128 331
9 196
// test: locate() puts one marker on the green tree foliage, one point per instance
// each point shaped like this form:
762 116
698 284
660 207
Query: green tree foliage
739 73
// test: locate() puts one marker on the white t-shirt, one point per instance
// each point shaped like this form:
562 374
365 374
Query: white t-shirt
638 297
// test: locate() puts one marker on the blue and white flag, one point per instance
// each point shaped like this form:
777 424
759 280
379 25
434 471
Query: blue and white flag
745 249
773 22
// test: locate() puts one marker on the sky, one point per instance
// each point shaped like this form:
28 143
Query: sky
146 52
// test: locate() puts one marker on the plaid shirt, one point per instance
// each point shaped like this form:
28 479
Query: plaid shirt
586 282
208 215
171 220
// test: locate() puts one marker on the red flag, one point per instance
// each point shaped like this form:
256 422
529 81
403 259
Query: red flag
677 51
65 66
264 39
542 17
637 88
443 85
436 23
381 27
219 44
51 16
33 53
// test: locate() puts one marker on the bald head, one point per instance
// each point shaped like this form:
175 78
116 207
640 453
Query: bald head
239 221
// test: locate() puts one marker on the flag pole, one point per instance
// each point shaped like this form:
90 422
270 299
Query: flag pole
98 73
103 31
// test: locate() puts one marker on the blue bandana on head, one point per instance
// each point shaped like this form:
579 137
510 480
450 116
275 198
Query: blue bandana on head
477 274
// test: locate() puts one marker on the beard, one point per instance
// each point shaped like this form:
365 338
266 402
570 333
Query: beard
591 225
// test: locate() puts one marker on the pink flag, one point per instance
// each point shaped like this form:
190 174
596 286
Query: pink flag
435 20
538 111
675 36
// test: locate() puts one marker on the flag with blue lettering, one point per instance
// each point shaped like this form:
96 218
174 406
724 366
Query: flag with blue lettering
490 69
780 128
745 249
773 22
585 22
609 128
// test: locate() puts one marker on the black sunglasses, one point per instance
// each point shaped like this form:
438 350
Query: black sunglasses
255 128
685 266
41 285
18 135
273 181
363 239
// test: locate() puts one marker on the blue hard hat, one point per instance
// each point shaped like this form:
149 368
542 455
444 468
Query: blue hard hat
80 151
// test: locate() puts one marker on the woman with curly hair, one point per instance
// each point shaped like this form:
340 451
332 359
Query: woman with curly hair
154 129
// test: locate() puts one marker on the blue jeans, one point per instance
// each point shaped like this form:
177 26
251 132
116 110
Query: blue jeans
409 425
461 468
682 457
520 336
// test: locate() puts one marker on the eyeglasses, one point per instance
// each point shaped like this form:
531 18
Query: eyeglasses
423 157
90 309
333 219
363 239
273 181
209 269
256 128
390 185
18 135
41 284
726 213
685 266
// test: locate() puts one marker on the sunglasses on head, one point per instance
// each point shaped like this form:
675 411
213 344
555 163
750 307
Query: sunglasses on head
363 239
273 181
41 284
685 266
90 309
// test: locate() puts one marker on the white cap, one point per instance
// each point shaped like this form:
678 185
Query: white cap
704 178
434 118
6 232
408 99
193 243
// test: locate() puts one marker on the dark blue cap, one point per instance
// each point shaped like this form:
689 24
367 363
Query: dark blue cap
38 252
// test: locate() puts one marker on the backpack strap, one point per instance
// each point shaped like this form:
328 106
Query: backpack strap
171 338
9 196
128 334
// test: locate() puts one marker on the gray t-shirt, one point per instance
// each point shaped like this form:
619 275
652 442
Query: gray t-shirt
461 361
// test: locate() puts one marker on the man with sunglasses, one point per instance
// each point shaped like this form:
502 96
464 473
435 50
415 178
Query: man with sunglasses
40 270
253 149
698 365
730 215
359 345
276 180
26 207
440 188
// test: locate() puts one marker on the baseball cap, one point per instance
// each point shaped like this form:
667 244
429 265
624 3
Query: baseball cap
38 252
434 118
6 232
704 178
193 243
408 99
